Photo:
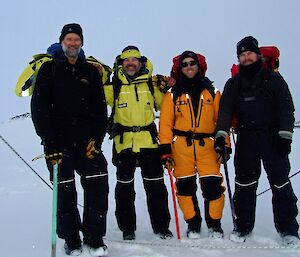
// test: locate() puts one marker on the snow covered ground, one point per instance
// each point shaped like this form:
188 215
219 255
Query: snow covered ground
25 216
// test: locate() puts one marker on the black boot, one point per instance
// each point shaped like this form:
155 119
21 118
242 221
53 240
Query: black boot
194 227
164 233
73 246
128 235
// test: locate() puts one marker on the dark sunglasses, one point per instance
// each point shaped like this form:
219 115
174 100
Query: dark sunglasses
191 63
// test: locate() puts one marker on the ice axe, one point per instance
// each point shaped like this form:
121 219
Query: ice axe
54 210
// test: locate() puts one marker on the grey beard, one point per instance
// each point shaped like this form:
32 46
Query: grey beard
71 53
132 73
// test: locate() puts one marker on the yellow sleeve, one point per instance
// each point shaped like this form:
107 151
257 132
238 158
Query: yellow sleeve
158 97
109 94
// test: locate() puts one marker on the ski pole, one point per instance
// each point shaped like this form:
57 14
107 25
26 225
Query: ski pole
11 148
233 136
270 187
174 204
54 209
233 214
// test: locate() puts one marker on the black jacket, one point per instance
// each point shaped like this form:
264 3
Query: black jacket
68 103
263 101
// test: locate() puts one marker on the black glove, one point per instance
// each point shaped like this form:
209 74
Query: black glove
220 145
222 150
52 152
161 82
165 151
283 146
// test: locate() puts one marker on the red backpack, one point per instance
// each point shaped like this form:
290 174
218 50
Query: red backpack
270 58
175 67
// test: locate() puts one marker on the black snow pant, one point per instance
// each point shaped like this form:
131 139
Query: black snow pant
153 180
94 181
253 146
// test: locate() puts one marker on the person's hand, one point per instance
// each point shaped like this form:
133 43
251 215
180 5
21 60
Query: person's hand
172 82
52 152
168 161
223 150
226 156
283 146
220 145
161 82
92 149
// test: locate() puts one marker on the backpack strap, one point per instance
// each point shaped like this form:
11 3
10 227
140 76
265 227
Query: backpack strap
210 87
151 89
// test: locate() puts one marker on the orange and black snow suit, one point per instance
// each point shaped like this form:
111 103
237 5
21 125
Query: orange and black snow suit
186 129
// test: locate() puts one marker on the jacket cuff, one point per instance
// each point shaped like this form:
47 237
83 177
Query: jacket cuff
221 133
165 149
166 156
285 134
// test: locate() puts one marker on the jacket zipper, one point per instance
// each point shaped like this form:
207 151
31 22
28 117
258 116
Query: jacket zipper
200 111
192 119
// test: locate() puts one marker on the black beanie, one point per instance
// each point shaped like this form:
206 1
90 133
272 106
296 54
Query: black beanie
71 28
247 44
187 54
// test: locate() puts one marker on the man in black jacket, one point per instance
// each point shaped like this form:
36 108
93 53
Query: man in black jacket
69 114
262 104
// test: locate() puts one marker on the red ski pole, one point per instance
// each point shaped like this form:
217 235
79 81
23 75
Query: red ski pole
174 203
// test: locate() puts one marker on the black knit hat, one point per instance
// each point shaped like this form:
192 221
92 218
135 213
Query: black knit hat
247 44
187 54
71 28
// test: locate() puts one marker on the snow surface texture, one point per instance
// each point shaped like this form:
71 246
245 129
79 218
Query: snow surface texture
25 217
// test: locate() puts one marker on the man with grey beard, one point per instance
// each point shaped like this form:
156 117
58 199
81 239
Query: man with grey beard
69 114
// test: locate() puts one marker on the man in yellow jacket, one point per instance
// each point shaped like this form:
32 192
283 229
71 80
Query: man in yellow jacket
187 126
133 99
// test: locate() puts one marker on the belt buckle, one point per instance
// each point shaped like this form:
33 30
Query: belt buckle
136 128
193 136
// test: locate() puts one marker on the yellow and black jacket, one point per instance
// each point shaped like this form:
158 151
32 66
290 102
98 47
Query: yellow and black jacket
134 110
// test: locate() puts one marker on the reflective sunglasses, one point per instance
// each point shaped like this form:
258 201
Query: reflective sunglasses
191 63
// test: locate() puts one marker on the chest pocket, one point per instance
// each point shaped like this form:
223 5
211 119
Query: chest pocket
180 105
255 108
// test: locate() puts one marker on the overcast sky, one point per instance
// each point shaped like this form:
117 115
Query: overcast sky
160 28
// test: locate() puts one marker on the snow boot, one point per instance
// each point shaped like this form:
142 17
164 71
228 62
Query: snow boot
128 235
72 246
238 237
99 251
216 233
290 240
194 227
96 248
164 233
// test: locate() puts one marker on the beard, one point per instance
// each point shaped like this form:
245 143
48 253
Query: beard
71 51
131 70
